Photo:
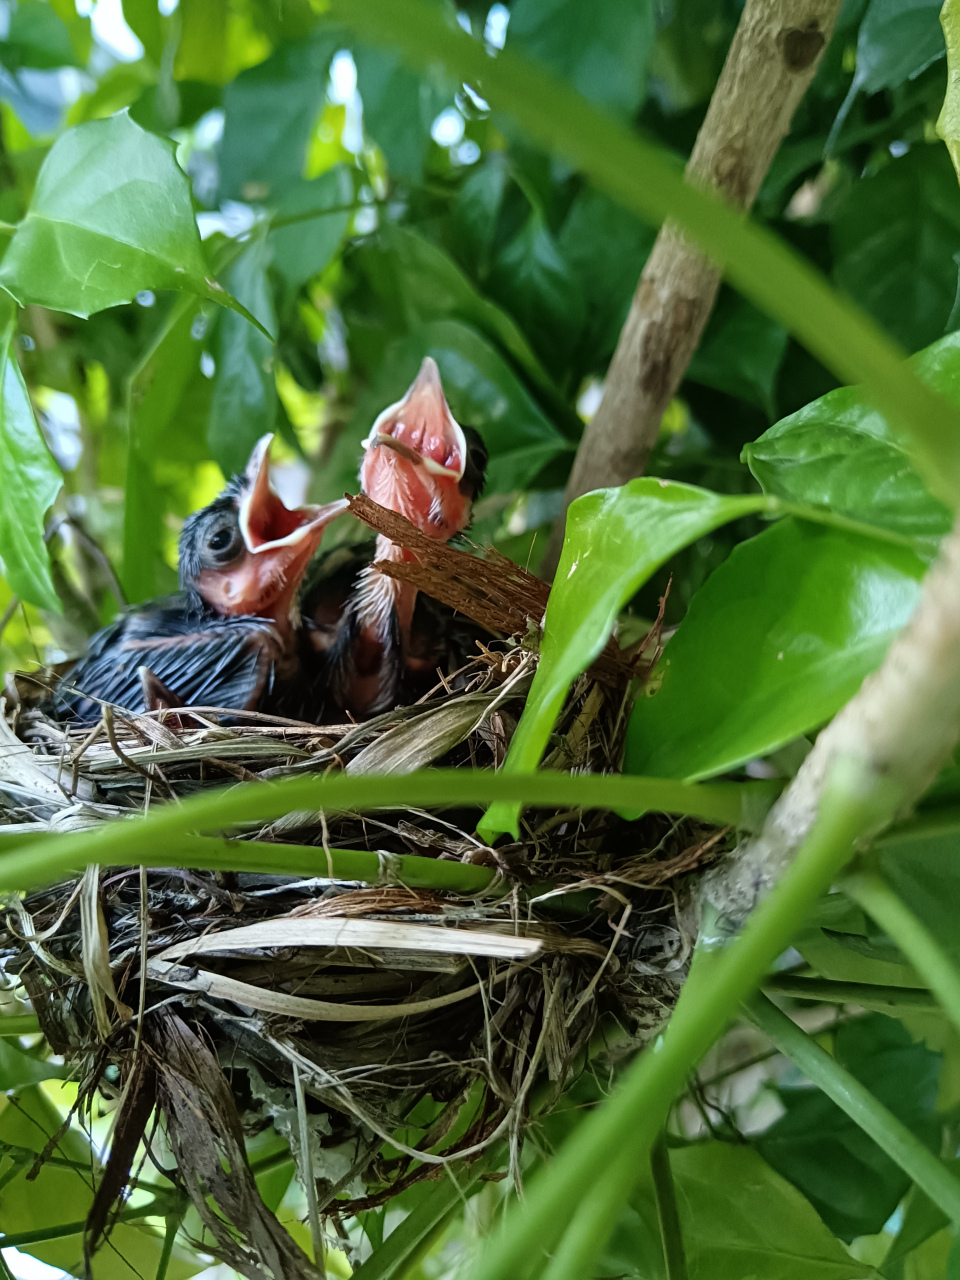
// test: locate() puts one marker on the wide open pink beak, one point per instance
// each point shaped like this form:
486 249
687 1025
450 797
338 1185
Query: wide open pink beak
416 454
280 543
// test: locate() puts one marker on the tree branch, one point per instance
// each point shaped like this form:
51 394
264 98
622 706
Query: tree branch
774 55
900 728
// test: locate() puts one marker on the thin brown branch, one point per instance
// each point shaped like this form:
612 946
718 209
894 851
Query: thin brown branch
774 55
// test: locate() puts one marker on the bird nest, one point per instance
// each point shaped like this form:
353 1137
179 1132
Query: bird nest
384 1030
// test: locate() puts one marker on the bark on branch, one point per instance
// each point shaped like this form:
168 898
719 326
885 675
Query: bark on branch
774 56
901 725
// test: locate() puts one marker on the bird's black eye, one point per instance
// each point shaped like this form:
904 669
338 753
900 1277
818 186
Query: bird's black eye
223 544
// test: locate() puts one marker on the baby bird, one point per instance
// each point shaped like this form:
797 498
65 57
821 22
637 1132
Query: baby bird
421 463
233 636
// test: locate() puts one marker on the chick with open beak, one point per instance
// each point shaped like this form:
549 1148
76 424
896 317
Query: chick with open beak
419 462
233 637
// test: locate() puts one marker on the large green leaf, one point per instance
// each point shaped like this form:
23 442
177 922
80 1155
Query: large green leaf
897 40
739 1219
18 1069
839 452
895 237
244 404
602 49
605 246
948 125
432 287
30 482
399 107
269 113
615 539
37 37
110 216
778 639
483 392
306 245
531 277
852 1184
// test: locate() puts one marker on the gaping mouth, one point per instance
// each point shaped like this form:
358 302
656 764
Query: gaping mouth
421 429
266 523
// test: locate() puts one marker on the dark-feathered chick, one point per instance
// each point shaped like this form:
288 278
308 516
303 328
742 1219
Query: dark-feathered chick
233 637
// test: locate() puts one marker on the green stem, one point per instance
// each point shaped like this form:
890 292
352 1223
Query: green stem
292 219
173 1223
667 1212
16 1240
589 1228
889 1133
402 1245
647 180
717 985
19 1024
147 840
885 999
871 892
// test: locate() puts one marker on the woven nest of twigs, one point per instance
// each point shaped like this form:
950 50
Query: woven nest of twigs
214 1006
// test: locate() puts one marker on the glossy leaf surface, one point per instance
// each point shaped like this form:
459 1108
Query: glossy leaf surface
778 639
839 452
615 539
110 216
30 482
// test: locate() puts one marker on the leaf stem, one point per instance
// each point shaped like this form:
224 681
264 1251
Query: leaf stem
889 1133
667 1213
870 891
870 996
19 1024
146 840
16 1240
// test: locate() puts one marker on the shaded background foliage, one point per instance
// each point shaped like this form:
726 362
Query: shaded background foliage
368 216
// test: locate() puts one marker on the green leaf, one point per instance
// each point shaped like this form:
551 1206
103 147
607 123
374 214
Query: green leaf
852 1184
924 872
603 50
269 114
828 943
839 452
898 39
778 639
31 481
615 539
948 124
158 432
110 215
244 404
483 392
739 1219
432 287
61 1194
895 237
18 1068
740 352
307 244
648 181
531 278
37 37
605 246
399 107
